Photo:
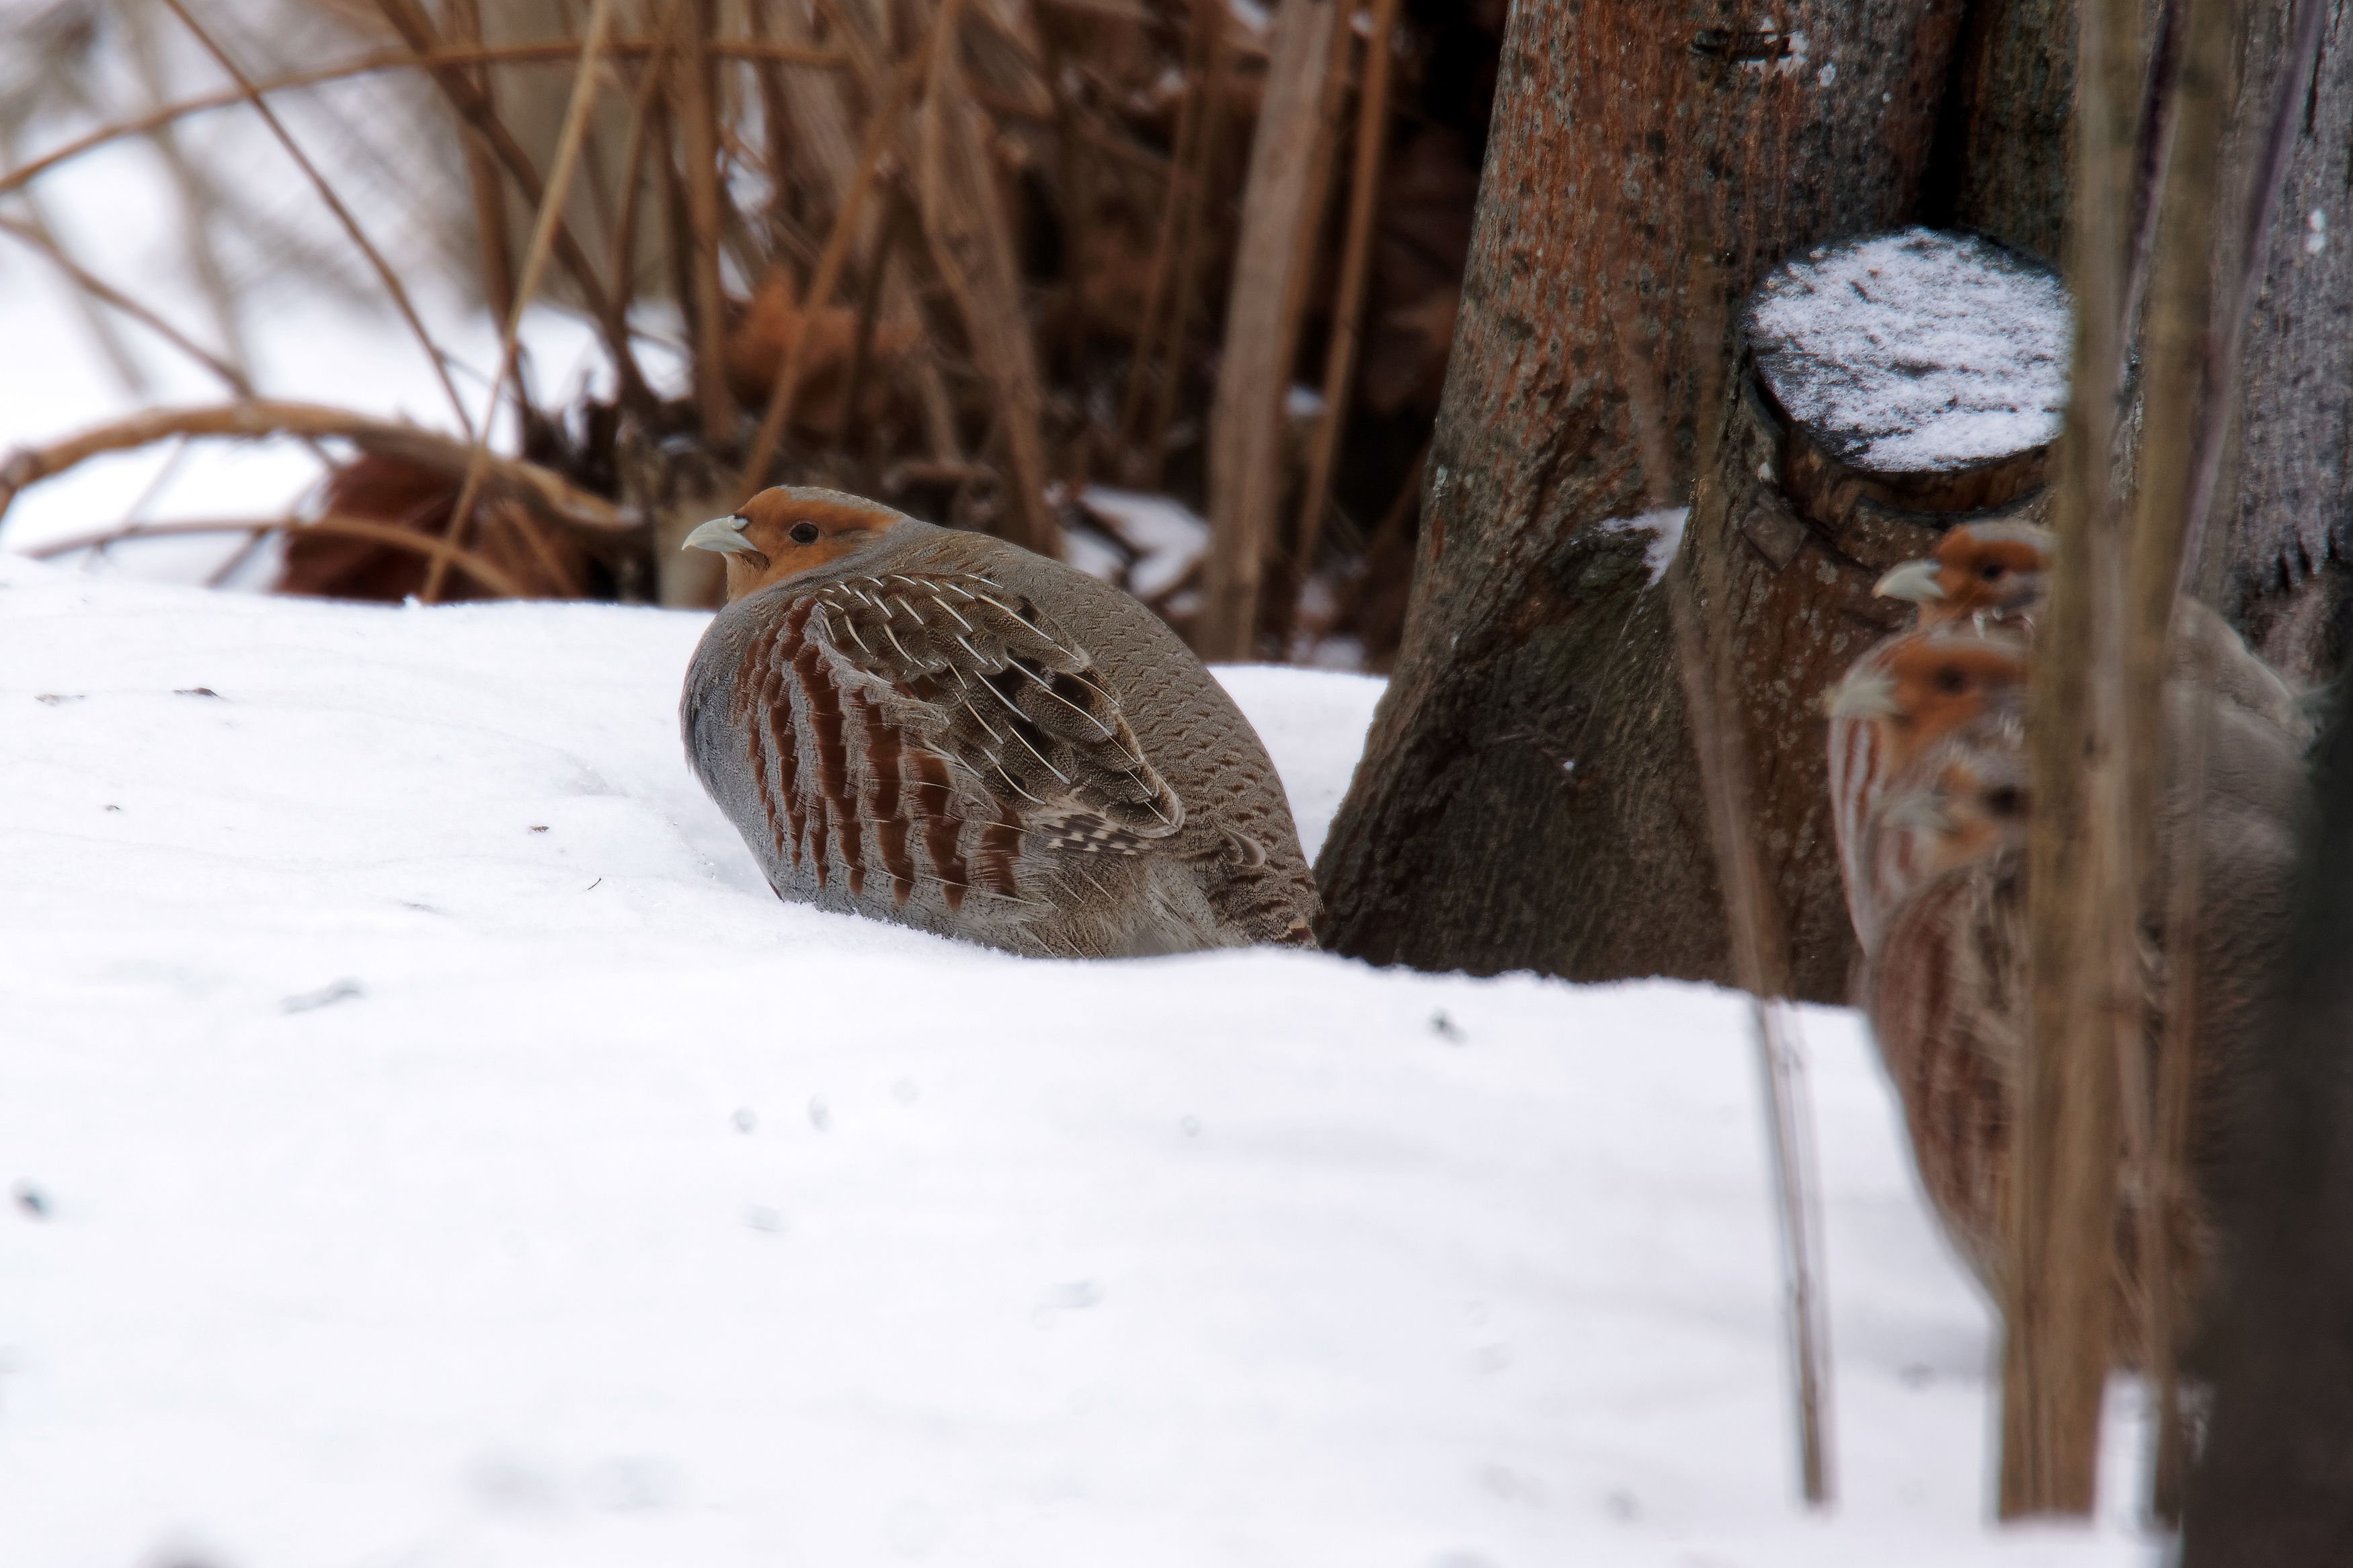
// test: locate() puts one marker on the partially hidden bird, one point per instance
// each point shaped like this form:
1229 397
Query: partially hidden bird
1995 574
1946 987
1895 702
940 729
1932 805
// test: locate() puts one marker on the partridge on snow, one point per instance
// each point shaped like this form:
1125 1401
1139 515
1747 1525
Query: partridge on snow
940 729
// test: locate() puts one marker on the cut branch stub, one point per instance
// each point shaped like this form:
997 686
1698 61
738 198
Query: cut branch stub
1926 370
1892 386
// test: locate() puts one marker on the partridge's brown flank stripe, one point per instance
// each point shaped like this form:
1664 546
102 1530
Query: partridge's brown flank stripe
941 730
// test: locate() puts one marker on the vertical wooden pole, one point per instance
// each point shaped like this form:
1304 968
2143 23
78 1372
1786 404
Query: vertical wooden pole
2086 1005
1281 205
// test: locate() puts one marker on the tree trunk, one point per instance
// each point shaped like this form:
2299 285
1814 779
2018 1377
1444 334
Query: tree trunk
2002 151
2291 539
2276 1483
1527 797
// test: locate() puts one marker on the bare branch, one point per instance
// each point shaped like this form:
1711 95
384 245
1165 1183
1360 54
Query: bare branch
392 283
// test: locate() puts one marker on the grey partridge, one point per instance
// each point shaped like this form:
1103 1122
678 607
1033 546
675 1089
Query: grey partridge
1898 700
942 730
1993 574
1946 989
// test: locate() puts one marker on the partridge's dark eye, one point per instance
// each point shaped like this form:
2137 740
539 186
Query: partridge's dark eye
1991 570
2005 801
804 533
1951 681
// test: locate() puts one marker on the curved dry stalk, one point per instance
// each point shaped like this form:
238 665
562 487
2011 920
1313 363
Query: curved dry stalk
534 263
98 289
332 525
545 494
551 53
392 283
481 118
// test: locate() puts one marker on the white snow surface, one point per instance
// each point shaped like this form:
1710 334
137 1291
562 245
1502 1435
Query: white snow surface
1917 351
433 1145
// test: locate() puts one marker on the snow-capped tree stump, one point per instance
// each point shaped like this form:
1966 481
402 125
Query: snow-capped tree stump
1889 387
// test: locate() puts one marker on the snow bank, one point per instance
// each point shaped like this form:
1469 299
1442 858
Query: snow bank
1917 351
433 1145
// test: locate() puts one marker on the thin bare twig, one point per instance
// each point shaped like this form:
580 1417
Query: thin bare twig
1760 961
882 125
698 111
534 262
98 289
332 525
559 52
1174 212
2194 382
384 271
482 179
408 19
633 170
1212 17
2082 888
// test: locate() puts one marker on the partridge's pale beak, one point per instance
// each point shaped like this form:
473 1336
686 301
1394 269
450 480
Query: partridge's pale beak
724 534
1862 696
1915 580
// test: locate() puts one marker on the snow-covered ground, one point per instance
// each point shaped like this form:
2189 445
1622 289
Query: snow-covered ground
432 1145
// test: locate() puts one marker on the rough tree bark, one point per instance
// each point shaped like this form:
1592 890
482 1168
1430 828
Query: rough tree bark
2276 1483
2291 532
2002 150
1527 797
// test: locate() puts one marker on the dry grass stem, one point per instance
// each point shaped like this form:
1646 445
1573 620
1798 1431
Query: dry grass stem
1348 309
880 126
98 289
2081 884
391 279
534 262
1282 207
1760 961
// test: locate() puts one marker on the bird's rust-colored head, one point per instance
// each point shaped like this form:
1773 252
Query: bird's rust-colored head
790 531
1987 570
1930 684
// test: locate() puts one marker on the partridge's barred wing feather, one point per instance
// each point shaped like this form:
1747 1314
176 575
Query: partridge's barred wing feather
920 704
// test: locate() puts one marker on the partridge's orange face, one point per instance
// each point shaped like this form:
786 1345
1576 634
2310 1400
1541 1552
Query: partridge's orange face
1981 572
1988 569
787 531
1936 684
